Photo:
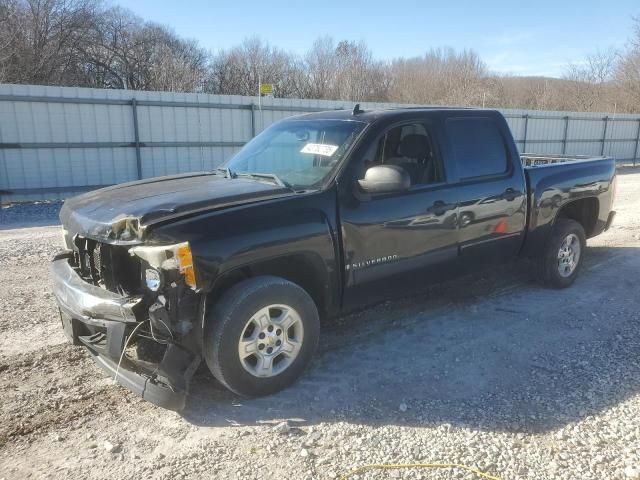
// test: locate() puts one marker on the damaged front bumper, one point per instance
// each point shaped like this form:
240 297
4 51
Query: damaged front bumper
102 321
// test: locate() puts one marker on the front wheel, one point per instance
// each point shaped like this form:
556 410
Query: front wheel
562 257
261 335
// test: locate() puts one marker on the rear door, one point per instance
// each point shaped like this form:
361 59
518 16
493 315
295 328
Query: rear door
491 187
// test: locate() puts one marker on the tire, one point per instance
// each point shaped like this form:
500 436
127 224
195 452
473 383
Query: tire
235 317
550 271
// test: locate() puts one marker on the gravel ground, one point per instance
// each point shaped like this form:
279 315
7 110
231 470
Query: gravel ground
490 371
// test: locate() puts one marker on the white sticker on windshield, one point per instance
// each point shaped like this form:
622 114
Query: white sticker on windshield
323 149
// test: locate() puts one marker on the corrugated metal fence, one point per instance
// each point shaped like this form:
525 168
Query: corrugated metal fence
57 141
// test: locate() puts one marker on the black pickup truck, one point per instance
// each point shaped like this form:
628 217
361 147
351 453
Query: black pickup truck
319 214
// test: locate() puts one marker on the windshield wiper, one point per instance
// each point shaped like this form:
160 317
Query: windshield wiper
268 176
228 173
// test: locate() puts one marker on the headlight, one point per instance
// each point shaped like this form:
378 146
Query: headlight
167 257
152 279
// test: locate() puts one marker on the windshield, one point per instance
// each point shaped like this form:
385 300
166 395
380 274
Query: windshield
302 153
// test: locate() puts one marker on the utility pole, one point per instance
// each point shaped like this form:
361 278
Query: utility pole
259 94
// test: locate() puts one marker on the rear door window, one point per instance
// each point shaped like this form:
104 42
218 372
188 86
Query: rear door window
478 147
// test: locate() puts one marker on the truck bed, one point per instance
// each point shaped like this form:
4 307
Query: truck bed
557 180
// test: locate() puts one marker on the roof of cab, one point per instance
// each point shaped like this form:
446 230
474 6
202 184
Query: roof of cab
370 116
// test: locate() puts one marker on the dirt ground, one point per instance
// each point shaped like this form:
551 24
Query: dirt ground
490 371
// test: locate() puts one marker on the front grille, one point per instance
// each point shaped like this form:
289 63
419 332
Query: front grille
96 265
107 266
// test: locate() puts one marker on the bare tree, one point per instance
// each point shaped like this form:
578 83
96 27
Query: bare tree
321 67
41 37
86 43
627 72
587 86
628 77
240 69
8 36
442 76
125 52
177 66
340 71
358 76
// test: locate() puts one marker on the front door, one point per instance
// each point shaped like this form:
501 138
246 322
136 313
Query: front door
390 239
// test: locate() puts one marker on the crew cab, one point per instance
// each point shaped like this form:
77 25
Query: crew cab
319 214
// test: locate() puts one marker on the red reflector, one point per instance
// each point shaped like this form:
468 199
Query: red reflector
501 227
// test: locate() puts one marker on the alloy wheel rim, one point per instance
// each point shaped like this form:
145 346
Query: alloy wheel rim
569 255
271 340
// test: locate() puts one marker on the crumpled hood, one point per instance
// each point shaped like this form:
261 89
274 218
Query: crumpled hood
158 199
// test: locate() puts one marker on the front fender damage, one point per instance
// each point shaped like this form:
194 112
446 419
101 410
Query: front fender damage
165 383
113 325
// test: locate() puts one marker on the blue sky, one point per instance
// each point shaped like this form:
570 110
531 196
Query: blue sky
518 37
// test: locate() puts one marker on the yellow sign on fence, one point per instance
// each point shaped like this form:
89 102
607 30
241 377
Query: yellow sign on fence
266 89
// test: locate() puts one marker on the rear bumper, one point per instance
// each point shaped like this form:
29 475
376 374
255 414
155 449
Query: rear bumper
101 321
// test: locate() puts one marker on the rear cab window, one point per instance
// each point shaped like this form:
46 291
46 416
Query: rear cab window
478 147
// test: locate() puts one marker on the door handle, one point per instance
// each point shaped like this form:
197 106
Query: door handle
510 194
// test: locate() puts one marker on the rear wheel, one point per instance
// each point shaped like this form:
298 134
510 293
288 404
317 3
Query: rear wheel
261 335
561 260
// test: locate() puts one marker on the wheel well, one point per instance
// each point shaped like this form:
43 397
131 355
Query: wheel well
304 270
584 211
